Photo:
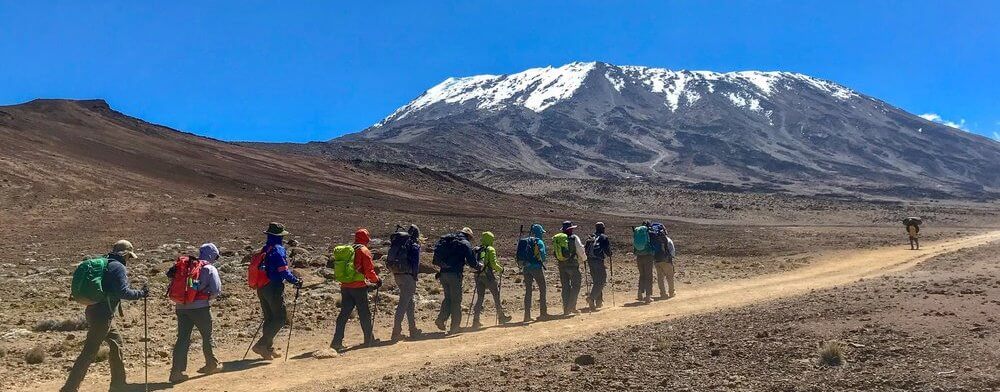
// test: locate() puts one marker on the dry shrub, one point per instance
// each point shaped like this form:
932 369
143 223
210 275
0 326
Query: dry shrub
831 353
35 356
102 354
64 325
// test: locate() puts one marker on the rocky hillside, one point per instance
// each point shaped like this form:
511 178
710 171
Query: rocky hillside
776 130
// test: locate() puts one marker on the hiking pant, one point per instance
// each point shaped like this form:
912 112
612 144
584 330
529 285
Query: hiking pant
405 309
645 264
665 269
484 282
99 331
599 274
531 277
187 320
272 308
451 306
569 277
914 243
349 300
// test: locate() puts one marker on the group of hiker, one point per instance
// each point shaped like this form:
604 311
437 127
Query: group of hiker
101 283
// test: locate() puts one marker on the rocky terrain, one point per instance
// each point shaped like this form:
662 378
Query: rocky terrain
777 131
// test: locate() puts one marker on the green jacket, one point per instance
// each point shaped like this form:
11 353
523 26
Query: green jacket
488 255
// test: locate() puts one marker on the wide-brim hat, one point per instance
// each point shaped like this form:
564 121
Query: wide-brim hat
124 248
568 225
278 229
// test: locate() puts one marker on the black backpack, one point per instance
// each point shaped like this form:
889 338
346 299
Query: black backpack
593 248
446 247
398 259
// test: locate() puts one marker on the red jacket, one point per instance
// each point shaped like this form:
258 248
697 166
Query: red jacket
363 261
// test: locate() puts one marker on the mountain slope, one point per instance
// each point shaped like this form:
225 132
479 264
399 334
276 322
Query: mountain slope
754 129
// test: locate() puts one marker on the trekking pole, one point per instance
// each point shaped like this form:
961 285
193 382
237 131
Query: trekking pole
611 265
252 338
472 303
291 323
145 338
499 295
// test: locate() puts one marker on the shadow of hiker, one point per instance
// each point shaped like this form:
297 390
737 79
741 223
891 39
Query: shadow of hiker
140 387
241 365
635 304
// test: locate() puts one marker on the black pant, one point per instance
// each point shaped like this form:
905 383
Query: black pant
272 307
599 273
100 331
532 277
188 320
569 277
451 306
483 282
349 300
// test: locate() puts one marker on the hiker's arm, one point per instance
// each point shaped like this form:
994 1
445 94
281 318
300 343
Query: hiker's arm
414 258
542 252
210 282
605 244
491 260
119 283
170 272
670 249
581 253
278 259
470 258
363 258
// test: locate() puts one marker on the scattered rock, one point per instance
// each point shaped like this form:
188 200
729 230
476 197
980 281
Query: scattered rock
585 360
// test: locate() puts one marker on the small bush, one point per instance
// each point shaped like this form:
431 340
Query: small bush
831 353
35 356
102 355
65 325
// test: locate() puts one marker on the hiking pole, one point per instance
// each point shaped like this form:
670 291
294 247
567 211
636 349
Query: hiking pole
252 338
291 323
472 303
611 265
145 338
499 295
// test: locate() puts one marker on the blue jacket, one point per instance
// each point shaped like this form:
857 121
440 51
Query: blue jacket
116 285
538 232
414 258
276 262
457 255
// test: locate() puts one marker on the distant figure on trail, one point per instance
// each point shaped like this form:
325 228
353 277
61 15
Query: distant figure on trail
568 251
103 301
354 268
664 259
194 283
644 261
403 261
267 273
531 255
452 253
913 231
487 279
598 247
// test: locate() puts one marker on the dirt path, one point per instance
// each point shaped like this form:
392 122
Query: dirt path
353 367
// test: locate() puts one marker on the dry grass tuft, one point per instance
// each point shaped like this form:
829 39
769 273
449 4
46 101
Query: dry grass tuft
831 353
35 356
65 325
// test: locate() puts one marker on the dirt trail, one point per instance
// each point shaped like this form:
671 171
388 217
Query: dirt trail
353 367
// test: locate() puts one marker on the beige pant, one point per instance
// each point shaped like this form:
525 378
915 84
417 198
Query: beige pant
665 270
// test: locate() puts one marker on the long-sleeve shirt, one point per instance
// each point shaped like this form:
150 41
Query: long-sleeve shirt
116 286
603 245
276 262
365 265
671 251
581 252
462 254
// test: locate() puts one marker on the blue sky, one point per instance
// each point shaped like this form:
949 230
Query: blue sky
313 70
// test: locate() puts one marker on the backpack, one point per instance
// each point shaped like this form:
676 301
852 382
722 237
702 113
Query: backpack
398 259
526 249
446 247
183 288
87 287
640 241
344 270
256 273
561 249
593 248
658 238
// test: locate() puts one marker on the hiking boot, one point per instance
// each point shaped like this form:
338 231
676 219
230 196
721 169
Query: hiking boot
177 377
338 347
211 368
396 336
416 334
648 299
504 319
544 317
591 303
370 343
440 324
264 352
477 325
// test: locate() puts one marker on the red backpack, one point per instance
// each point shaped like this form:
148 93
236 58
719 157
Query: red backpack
256 275
183 287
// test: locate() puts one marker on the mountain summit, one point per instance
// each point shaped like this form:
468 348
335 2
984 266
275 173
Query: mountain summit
778 130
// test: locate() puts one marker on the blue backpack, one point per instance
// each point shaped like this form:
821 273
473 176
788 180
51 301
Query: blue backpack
526 248
658 239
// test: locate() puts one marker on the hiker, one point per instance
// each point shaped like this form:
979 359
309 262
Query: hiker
913 231
598 247
271 294
99 314
194 283
355 270
568 251
644 261
404 262
487 279
452 253
531 255
663 258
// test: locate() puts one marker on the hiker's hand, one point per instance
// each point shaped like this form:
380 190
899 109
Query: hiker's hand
437 276
298 284
145 291
378 284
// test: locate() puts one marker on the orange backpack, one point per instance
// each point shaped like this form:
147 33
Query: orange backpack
183 287
256 275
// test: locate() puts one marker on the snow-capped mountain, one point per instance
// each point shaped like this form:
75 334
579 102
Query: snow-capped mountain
750 128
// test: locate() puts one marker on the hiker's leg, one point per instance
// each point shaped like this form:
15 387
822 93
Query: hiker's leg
411 312
456 300
184 326
638 267
528 289
646 276
97 331
669 271
495 290
600 275
917 241
364 313
275 298
543 305
660 277
346 308
202 318
445 311
405 283
576 282
265 315
567 289
477 309
115 361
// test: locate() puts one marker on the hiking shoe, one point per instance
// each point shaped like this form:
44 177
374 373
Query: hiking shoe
440 325
396 336
544 317
177 378
211 368
505 319
591 303
264 352
338 347
477 325
416 334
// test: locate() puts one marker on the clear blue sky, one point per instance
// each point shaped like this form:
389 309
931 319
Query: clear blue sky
313 70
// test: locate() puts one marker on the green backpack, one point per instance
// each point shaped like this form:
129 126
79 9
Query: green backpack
561 250
87 287
344 270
